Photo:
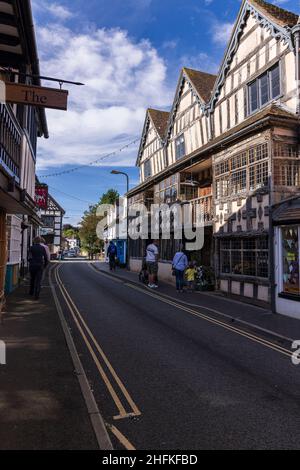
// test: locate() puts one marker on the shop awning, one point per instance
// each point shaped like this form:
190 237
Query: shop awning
14 206
287 212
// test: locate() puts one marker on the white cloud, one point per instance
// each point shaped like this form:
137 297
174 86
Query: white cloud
171 44
122 78
59 11
201 61
221 33
55 9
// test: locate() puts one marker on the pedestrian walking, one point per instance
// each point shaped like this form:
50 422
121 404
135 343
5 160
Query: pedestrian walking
43 243
152 263
180 263
112 254
38 260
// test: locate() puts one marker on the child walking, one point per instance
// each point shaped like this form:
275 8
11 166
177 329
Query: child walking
191 274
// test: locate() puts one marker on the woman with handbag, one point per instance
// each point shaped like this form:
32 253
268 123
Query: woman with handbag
180 263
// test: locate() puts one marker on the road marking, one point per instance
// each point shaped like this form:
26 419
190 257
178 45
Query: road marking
229 317
98 425
124 441
209 309
74 310
233 329
110 276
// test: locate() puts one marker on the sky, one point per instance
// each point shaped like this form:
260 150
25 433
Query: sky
128 53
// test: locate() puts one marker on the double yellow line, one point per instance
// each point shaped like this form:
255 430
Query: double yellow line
238 331
92 345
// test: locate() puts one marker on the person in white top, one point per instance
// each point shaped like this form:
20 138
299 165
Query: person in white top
152 263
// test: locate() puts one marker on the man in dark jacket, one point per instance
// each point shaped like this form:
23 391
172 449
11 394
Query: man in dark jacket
38 260
112 253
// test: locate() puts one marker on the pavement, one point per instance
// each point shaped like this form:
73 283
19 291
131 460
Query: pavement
286 329
41 404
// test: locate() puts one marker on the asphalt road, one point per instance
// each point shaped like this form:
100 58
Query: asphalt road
165 379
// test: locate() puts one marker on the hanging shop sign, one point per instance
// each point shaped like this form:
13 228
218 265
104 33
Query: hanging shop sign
36 96
41 196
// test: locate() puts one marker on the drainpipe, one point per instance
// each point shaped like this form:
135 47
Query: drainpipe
272 256
296 36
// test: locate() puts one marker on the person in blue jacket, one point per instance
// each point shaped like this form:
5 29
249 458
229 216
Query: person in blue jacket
180 263
112 254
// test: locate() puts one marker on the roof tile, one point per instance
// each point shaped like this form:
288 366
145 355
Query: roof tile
202 81
281 16
160 120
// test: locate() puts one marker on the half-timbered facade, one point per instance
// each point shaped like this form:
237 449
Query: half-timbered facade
232 145
52 226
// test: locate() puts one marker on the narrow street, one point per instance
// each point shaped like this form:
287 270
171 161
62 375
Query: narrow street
164 377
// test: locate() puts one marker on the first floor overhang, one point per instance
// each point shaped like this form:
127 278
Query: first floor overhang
268 118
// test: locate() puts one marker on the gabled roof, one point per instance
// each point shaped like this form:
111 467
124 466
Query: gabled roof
203 82
277 20
202 85
160 121
279 15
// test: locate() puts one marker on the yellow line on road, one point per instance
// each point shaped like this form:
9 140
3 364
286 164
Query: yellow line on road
124 441
233 329
115 279
73 308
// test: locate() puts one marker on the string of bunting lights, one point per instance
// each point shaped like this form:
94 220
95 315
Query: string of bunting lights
79 167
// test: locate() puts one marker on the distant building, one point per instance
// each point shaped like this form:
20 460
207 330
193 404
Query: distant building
52 226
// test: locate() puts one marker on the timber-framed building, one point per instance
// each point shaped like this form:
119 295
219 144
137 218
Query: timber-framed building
230 144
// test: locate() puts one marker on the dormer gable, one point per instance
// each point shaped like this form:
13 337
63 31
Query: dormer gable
200 84
277 21
156 121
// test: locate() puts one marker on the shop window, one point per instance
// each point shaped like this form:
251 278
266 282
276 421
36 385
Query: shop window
247 257
290 260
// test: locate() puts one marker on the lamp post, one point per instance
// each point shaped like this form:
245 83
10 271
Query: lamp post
116 172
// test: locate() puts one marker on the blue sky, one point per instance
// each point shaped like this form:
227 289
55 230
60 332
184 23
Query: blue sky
129 54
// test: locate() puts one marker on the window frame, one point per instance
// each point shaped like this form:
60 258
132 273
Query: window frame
180 147
257 81
147 165
235 252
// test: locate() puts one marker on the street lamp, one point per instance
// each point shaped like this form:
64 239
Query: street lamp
117 172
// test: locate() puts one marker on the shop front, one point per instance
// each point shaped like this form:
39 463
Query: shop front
286 219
